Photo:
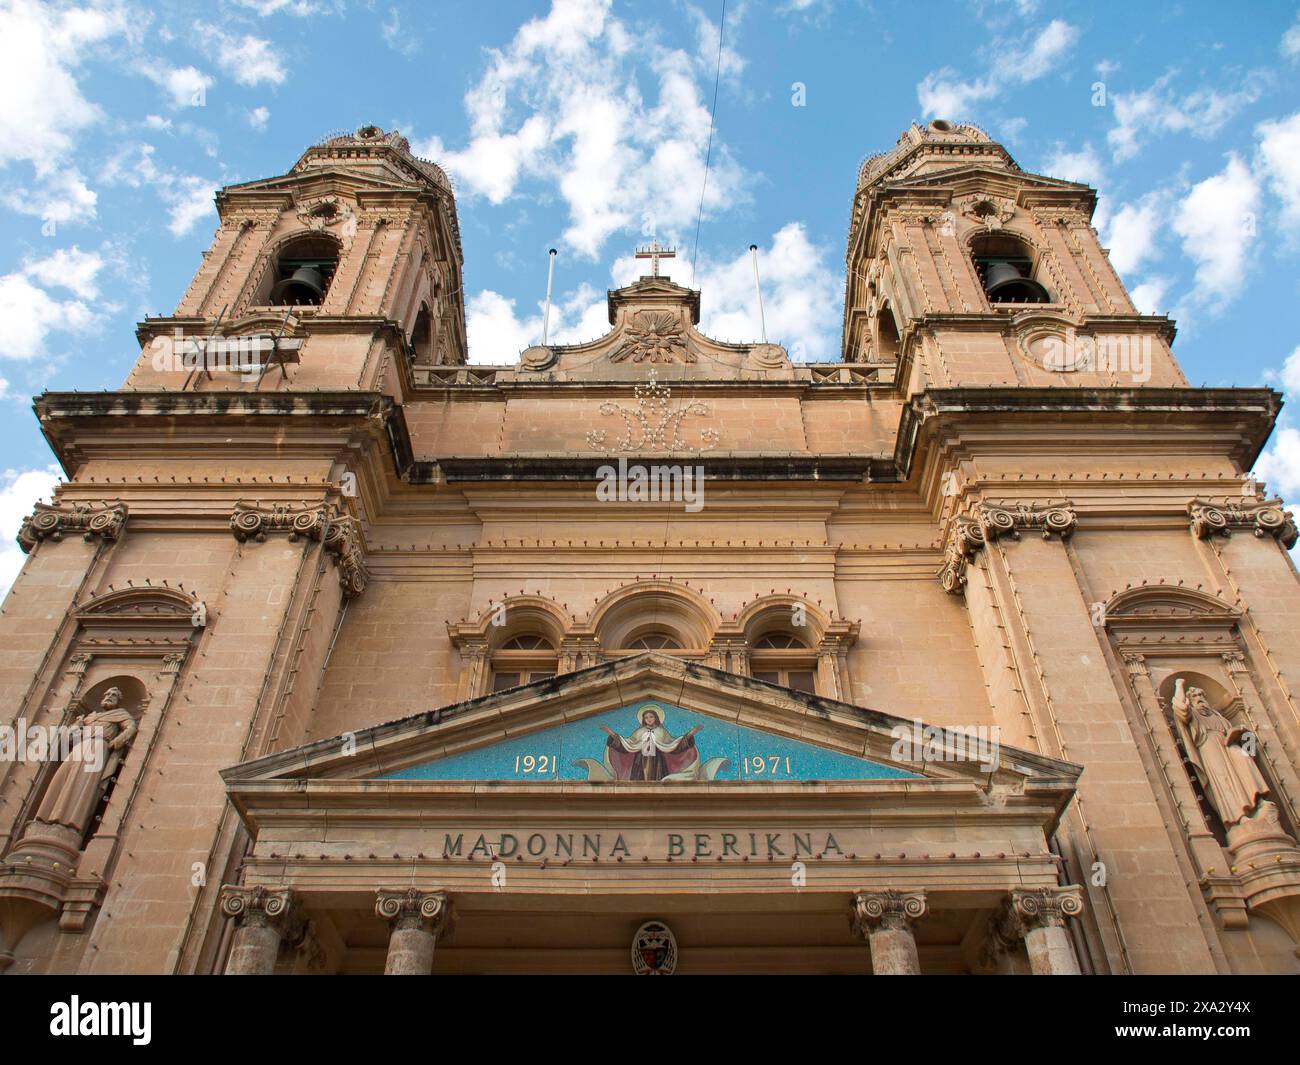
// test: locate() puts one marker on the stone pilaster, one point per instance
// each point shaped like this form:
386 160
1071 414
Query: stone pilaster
264 919
415 920
884 919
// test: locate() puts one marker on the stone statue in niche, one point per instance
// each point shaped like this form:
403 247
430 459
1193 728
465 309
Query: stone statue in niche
1227 773
80 781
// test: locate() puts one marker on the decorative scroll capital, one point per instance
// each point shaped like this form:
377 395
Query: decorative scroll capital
413 908
343 540
53 522
1265 516
965 538
1045 907
891 910
277 909
988 522
341 534
254 522
1052 519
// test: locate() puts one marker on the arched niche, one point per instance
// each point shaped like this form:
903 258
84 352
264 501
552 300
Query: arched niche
308 250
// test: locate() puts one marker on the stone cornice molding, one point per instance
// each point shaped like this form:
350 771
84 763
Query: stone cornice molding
988 522
1265 516
892 910
340 534
53 522
412 908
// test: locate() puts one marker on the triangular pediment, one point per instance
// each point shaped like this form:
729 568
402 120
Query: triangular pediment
740 731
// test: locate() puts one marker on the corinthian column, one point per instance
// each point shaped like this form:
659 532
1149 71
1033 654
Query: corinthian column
263 920
1042 913
415 919
884 919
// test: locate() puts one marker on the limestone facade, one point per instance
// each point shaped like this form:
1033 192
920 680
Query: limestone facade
318 555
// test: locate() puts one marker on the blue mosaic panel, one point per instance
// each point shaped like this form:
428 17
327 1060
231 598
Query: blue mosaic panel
650 741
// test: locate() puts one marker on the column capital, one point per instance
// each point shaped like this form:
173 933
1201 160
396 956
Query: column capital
1045 907
988 522
54 521
1265 517
412 908
340 534
891 910
276 908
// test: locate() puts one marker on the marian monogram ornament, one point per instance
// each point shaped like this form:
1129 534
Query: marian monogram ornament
653 425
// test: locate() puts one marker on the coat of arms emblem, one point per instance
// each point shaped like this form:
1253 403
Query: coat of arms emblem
654 950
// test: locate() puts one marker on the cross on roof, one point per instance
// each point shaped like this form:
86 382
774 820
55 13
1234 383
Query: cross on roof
654 253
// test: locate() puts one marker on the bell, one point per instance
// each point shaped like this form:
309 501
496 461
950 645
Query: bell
304 285
1004 283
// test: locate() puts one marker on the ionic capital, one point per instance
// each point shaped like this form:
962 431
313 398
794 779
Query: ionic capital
1265 517
1045 907
890 910
276 908
53 522
412 908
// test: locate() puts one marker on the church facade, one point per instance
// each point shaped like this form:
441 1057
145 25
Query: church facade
976 651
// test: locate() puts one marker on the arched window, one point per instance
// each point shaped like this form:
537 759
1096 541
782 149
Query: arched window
653 641
1007 269
523 659
888 342
302 272
785 659
422 337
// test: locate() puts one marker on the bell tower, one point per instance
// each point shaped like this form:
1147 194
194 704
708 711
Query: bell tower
320 278
964 270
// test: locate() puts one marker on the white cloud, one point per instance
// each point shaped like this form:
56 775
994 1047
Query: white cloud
157 122
1159 110
1280 464
187 197
69 268
561 104
1279 160
60 197
41 105
497 335
400 41
185 86
1132 231
30 314
42 109
258 117
20 491
275 7
1149 296
800 302
1290 43
1016 61
1290 375
1216 221
801 296
1082 165
248 60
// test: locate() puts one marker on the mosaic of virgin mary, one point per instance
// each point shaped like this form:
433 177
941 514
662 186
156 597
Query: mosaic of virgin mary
651 753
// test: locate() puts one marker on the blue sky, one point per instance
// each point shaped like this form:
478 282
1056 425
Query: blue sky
583 125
